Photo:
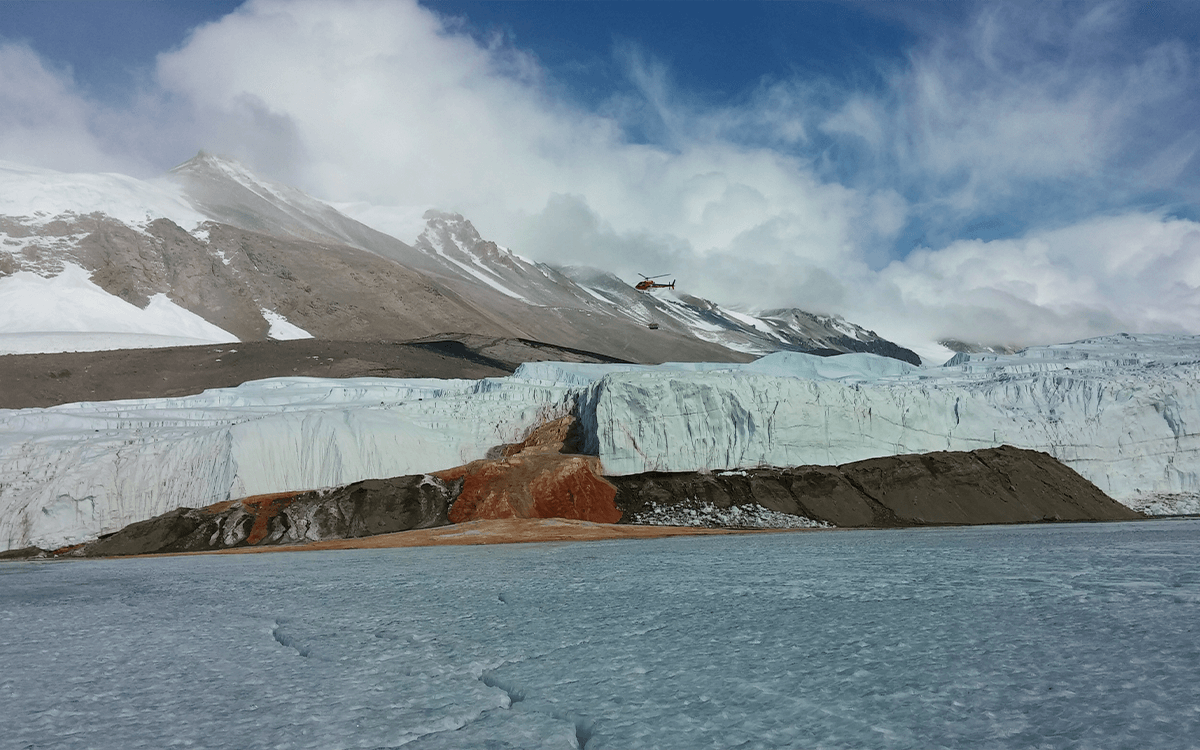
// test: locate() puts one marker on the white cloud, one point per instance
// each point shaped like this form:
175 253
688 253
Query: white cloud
43 118
1027 95
1135 272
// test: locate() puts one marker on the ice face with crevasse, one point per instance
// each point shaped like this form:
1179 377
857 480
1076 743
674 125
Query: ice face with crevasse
72 472
1052 636
1121 410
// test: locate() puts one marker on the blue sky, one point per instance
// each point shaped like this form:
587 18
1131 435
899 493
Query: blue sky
1017 172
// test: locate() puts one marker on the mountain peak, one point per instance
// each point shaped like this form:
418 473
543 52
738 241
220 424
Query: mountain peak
455 224
203 158
211 166
445 230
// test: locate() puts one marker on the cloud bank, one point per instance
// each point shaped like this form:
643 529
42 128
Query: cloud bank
1025 176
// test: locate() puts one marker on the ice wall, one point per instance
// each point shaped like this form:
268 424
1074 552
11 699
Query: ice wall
1122 412
72 472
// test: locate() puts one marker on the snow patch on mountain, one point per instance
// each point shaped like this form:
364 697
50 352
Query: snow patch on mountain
40 195
281 329
36 312
454 242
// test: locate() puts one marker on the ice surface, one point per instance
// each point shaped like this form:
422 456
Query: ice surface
70 303
1064 636
845 367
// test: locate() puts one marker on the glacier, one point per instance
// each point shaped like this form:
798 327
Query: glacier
1122 411
73 472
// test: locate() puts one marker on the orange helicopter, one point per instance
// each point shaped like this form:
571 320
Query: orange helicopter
648 282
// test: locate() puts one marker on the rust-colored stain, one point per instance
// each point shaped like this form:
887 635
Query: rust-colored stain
550 437
266 507
536 478
538 485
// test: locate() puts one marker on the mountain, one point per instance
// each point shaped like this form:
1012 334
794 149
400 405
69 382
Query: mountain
228 256
964 347
458 251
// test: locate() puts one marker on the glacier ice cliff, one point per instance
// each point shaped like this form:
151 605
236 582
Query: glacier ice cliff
1123 411
72 472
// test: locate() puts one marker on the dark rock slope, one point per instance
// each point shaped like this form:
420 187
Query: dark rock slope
40 380
993 485
374 506
534 480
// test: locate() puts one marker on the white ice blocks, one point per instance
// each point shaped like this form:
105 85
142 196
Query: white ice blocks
70 473
1122 411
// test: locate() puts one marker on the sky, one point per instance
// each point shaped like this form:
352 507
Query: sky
1001 173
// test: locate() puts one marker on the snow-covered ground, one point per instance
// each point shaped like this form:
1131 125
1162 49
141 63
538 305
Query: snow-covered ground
41 195
1054 637
68 312
707 515
1122 411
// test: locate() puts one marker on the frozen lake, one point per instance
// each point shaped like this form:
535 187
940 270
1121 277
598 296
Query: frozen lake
1066 636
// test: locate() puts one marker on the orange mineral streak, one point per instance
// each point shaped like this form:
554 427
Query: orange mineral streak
533 485
535 478
262 507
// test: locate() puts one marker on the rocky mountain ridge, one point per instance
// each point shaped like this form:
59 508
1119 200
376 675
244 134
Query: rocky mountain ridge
244 253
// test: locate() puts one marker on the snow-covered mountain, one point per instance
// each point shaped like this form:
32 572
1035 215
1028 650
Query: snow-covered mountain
458 251
254 259
1122 411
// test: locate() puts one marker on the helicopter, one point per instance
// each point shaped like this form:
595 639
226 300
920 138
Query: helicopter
648 282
